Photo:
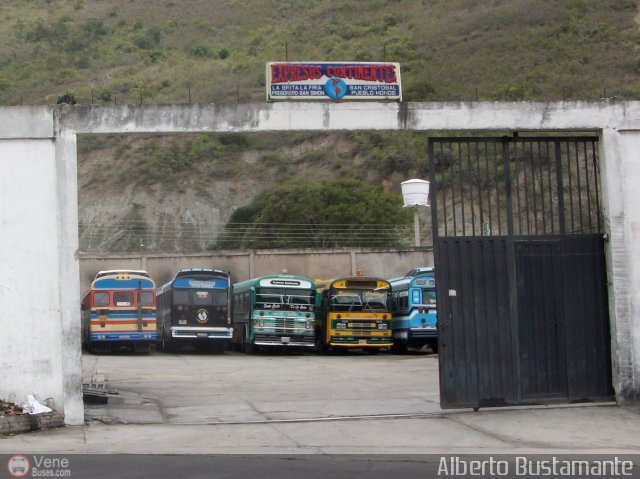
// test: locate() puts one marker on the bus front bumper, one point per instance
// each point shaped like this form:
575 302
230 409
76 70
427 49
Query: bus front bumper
356 342
201 333
133 336
295 340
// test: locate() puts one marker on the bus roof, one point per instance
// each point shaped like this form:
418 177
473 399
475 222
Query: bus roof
284 280
194 273
352 282
413 272
113 272
406 281
123 281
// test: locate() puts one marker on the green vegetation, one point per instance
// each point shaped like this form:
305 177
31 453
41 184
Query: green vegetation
172 160
448 49
203 51
330 214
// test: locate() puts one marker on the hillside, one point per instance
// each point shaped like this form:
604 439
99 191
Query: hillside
175 193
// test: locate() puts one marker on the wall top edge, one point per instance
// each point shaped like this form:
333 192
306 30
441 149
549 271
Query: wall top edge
260 252
26 122
48 121
343 116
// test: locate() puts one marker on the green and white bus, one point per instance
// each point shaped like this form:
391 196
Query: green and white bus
274 310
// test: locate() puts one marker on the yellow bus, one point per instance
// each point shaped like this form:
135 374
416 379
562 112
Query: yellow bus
353 313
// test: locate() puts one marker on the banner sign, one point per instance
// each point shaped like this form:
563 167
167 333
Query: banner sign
333 81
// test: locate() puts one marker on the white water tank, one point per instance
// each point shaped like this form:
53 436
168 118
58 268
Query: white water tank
415 192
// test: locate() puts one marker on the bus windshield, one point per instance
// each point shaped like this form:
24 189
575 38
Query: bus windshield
284 298
428 296
200 297
358 300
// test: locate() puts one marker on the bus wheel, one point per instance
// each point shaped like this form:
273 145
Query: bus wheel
321 347
168 344
163 342
399 348
142 348
215 347
434 346
245 345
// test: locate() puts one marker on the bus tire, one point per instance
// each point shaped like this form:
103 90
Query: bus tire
142 347
321 347
163 343
399 348
245 346
168 344
159 346
215 347
434 346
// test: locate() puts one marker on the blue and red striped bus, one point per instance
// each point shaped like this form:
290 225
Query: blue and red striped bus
120 311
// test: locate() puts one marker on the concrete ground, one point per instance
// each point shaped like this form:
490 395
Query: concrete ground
194 403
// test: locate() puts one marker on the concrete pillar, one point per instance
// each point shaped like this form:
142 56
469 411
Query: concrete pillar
619 264
67 207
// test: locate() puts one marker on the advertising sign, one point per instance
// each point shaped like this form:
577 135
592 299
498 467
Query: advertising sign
286 283
333 81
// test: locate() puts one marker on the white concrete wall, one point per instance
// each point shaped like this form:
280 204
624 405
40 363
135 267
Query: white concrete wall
39 281
30 283
621 183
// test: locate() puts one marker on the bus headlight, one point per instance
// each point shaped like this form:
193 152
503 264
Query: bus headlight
341 326
258 323
382 326
309 325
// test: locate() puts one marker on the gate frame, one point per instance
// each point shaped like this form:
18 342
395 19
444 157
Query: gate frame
616 122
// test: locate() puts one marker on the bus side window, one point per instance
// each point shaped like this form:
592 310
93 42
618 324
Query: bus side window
403 300
415 296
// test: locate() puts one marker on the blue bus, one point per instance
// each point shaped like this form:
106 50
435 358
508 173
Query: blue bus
194 310
415 319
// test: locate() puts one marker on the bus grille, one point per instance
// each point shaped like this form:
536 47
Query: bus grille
363 325
283 324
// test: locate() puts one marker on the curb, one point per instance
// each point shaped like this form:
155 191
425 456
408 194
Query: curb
30 422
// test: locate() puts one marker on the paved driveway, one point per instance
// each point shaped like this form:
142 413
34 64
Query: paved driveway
198 388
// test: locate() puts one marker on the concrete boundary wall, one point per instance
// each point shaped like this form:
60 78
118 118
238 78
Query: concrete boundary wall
40 286
243 265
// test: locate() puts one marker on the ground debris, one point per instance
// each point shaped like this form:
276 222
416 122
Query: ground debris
10 409
97 393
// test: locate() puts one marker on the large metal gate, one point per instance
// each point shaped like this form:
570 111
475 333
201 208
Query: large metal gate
521 279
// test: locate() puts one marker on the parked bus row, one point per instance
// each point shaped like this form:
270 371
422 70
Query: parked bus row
202 308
